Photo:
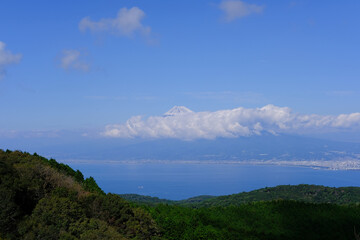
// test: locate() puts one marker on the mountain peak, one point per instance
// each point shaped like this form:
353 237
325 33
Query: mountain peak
177 110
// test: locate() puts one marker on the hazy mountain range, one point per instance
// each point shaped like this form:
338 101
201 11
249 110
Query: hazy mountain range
255 149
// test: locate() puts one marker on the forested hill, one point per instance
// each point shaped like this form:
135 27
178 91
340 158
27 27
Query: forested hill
42 199
302 192
153 201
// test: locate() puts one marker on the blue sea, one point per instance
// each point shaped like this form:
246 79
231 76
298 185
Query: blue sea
177 181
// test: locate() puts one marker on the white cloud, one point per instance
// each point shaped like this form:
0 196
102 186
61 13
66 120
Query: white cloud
71 59
185 124
7 58
126 23
234 9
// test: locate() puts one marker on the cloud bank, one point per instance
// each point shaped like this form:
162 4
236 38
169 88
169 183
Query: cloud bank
70 60
7 58
238 9
126 23
182 123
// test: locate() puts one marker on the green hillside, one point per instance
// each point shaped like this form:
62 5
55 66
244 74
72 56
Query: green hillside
141 199
273 220
44 199
302 192
152 201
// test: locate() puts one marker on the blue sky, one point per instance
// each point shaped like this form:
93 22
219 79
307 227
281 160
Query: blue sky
208 56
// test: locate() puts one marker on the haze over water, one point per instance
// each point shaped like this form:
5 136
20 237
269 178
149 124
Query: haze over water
180 181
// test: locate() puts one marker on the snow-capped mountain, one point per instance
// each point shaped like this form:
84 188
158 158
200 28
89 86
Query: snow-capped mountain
177 110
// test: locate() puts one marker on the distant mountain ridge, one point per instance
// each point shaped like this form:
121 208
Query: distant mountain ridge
302 192
266 147
261 148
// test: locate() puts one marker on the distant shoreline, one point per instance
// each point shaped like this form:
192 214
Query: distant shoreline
349 164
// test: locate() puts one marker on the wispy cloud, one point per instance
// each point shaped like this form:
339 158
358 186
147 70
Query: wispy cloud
238 97
29 134
234 9
128 22
7 58
50 133
339 93
187 125
72 60
122 98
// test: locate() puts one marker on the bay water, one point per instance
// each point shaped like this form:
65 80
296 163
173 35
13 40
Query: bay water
176 181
